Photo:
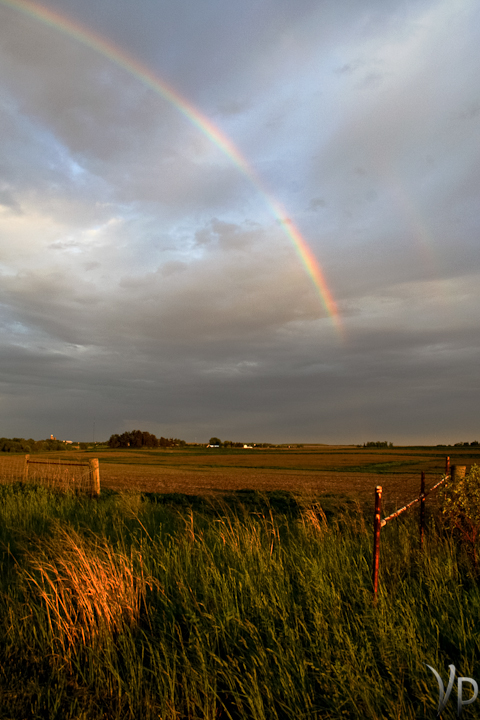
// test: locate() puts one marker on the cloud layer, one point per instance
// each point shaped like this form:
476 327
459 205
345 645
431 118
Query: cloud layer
144 279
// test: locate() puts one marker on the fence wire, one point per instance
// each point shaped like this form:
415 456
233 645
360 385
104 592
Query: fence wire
413 502
55 474
12 468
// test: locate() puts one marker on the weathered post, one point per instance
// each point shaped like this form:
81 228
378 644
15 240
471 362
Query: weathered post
25 468
458 472
422 509
447 465
94 477
377 526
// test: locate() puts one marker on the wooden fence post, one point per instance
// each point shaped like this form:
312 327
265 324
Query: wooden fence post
377 526
25 468
422 509
447 465
94 477
458 472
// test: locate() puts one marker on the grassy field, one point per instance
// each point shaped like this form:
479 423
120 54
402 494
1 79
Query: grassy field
126 608
240 604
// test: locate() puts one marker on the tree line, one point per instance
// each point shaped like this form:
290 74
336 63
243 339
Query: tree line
141 438
20 445
214 441
378 444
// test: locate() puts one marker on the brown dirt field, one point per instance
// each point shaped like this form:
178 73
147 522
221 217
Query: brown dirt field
396 488
311 470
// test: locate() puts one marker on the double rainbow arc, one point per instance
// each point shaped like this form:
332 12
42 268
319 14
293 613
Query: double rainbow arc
204 124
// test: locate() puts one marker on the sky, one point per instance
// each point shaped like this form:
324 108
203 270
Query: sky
257 220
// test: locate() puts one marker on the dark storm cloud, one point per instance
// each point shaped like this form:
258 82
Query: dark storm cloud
144 277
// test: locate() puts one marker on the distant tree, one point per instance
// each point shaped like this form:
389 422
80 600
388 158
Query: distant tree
20 445
149 440
214 441
142 438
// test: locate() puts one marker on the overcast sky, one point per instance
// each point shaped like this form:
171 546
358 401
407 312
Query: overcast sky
145 281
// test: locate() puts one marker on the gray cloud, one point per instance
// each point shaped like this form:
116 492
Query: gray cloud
144 276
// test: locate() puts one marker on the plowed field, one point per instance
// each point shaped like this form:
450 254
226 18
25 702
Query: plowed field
310 470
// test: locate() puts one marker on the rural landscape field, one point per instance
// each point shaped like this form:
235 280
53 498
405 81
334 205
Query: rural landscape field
349 471
208 583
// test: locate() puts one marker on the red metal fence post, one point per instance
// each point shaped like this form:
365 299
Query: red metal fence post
422 509
377 526
457 472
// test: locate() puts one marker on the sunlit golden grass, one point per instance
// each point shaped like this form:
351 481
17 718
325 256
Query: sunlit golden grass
89 589
246 537
314 515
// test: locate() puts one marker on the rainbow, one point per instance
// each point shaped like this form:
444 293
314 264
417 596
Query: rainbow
145 75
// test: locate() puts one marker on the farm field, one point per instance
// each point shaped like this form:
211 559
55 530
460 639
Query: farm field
310 470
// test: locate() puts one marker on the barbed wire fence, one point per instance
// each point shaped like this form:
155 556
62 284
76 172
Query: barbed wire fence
456 472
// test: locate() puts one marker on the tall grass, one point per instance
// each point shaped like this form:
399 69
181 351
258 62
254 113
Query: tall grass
126 608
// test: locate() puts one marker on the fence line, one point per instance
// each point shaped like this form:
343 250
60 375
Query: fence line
455 473
420 498
91 476
53 462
